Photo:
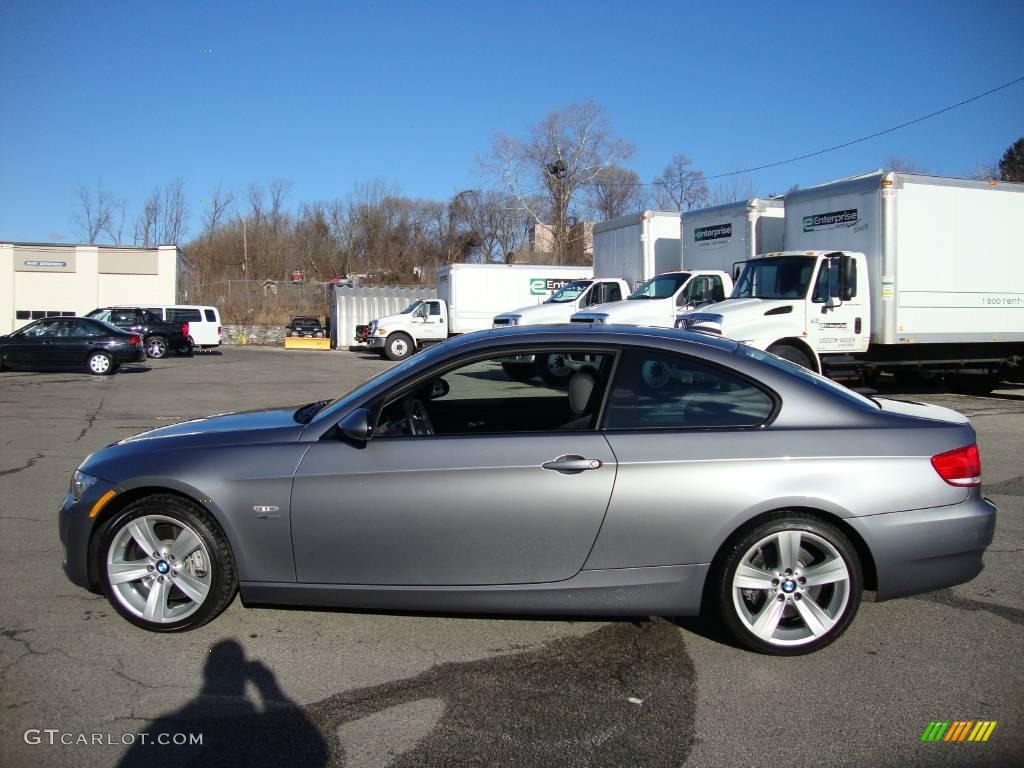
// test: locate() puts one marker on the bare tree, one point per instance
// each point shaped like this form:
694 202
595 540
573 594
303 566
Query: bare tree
175 212
614 192
561 155
96 213
903 165
679 187
279 191
147 222
730 189
219 203
256 198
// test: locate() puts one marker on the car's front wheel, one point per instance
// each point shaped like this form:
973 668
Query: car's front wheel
165 565
788 586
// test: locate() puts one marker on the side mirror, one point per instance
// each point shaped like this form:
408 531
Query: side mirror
357 425
848 278
438 388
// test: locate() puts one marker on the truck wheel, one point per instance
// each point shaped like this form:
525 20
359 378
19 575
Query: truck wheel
521 372
398 346
555 369
792 354
186 349
156 347
975 383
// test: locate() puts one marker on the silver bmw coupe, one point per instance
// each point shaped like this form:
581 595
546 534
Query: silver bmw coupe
674 474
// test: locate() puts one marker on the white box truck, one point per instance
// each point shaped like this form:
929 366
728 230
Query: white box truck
724 236
889 272
468 298
638 246
644 250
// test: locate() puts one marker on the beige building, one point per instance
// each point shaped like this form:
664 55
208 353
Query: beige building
47 279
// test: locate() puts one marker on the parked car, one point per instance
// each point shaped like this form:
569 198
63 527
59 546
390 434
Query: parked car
158 336
204 325
306 327
71 342
676 471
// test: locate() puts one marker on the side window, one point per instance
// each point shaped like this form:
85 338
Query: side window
81 328
122 317
156 311
503 395
433 309
660 390
828 281
211 316
184 315
717 289
612 293
42 330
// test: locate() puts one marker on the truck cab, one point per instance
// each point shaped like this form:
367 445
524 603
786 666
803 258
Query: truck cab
658 300
571 298
799 305
423 322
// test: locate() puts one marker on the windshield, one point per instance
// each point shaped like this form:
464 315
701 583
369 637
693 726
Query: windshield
569 292
809 376
100 314
776 277
661 287
411 307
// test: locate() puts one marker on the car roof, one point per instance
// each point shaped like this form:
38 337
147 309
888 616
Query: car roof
590 333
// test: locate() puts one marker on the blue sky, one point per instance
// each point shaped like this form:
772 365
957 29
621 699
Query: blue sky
327 94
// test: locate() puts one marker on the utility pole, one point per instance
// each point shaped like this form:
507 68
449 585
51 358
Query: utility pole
245 251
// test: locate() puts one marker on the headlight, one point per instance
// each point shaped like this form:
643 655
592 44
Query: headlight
80 483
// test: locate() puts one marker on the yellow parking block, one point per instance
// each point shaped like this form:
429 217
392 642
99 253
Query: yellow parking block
295 342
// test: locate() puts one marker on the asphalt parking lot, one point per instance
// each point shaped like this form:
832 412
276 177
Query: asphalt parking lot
362 689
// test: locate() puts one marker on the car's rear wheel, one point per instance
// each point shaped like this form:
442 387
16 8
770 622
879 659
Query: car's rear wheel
789 586
165 565
398 346
100 364
156 347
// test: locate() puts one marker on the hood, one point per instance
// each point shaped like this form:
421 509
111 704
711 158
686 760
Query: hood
382 322
636 311
733 317
538 314
240 427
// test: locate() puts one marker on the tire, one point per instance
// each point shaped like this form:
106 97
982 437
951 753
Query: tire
787 617
156 347
555 369
978 384
140 543
100 364
3 366
521 372
187 350
657 374
398 346
793 355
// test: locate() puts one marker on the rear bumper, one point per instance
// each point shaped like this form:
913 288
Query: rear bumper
927 549
130 355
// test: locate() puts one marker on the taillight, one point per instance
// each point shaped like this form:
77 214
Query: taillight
960 467
219 330
135 341
184 330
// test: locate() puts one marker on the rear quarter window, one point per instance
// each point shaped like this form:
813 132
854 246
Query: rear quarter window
184 315
211 315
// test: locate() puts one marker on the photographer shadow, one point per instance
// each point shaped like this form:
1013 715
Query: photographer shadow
231 729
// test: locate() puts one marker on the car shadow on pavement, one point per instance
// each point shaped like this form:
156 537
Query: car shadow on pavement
621 695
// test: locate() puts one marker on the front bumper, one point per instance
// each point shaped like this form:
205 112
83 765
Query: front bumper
76 528
376 341
926 549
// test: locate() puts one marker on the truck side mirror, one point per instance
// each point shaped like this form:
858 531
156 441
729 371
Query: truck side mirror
847 277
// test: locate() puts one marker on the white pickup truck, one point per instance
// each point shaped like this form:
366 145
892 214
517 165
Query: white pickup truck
658 301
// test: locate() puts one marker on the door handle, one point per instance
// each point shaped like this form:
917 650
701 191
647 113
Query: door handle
571 463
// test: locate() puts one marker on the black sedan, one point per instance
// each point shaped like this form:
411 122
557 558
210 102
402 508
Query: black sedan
63 342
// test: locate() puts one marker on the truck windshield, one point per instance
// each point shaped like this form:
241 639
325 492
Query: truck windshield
412 307
569 292
660 287
775 277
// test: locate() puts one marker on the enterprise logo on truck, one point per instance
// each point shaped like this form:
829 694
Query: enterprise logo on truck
541 285
708 234
831 220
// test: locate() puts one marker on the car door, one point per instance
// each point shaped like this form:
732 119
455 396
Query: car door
500 494
33 344
687 435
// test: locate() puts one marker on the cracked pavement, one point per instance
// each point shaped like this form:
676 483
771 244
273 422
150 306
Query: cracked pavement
365 689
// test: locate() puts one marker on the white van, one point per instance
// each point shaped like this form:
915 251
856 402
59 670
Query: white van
204 326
